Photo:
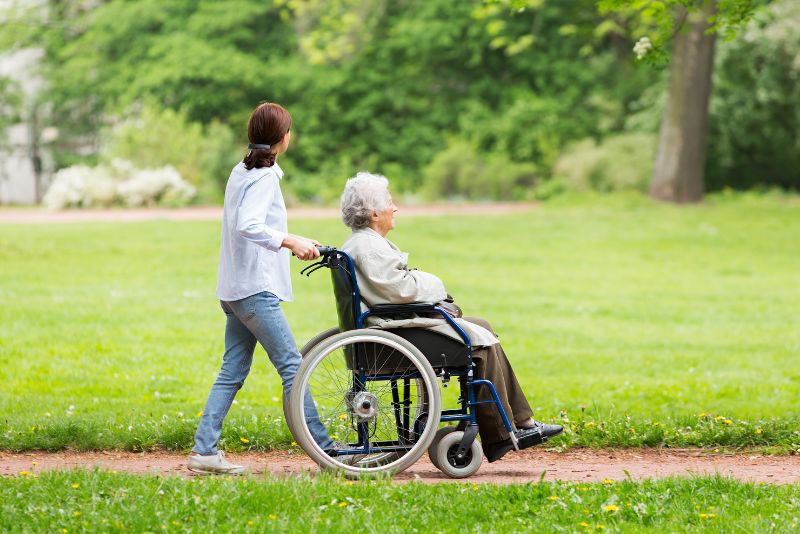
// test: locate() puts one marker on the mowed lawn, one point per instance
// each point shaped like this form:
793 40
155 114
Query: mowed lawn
632 322
95 501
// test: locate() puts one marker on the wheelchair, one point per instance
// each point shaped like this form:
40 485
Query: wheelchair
377 391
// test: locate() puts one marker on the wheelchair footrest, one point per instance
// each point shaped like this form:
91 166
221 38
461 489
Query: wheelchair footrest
530 439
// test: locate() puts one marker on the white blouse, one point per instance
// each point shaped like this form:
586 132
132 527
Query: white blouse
254 224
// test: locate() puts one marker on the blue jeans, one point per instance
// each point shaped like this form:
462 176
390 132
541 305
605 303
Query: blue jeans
255 318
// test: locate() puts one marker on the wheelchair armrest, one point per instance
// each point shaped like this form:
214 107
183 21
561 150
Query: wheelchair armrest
402 309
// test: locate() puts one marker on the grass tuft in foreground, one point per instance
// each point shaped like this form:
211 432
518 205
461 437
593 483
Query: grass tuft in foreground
81 500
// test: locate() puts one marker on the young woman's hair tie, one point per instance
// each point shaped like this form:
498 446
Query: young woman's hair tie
257 146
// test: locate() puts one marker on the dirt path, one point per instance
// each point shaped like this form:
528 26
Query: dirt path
526 466
214 213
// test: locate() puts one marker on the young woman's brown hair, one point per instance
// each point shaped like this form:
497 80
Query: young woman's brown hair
268 125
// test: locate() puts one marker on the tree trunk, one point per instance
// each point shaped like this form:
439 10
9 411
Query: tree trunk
678 174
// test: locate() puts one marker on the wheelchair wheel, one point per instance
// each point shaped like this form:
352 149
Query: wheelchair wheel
374 392
442 432
452 466
421 404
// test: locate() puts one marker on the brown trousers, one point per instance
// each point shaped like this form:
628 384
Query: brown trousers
492 364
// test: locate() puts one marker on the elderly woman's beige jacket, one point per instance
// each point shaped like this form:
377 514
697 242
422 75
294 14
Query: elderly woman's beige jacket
384 278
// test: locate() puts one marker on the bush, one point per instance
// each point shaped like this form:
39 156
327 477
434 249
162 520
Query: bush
155 137
755 105
619 163
461 171
117 184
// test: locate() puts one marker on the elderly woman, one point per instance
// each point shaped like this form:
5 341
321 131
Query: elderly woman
384 277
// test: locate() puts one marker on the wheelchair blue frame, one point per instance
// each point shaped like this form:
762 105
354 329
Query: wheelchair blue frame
466 414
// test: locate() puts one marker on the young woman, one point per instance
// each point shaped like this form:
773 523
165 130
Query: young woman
253 280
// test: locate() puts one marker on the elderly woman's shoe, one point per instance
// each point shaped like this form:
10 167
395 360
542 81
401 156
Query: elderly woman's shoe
536 435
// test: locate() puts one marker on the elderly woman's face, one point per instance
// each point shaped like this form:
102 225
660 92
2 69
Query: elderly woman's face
383 221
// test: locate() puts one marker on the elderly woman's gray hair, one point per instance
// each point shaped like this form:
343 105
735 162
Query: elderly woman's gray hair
363 194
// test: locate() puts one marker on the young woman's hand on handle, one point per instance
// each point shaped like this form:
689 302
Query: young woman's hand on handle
302 247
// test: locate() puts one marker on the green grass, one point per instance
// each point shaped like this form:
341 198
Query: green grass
91 501
625 319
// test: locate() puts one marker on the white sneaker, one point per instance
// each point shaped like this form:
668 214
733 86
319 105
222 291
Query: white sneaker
214 464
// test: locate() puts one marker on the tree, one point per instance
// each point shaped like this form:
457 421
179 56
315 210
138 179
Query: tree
691 27
678 171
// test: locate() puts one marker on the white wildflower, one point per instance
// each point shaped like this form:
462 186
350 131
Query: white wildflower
642 47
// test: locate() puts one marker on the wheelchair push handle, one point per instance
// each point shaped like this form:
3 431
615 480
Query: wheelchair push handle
328 258
323 250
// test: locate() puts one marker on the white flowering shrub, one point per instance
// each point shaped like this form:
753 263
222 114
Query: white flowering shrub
81 187
148 187
119 183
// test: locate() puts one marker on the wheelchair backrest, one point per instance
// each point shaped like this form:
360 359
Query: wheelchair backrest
440 350
345 290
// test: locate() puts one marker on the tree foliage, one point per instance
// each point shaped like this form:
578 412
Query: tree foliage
391 86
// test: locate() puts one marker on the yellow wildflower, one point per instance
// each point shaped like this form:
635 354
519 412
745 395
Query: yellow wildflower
23 473
76 486
76 514
608 481
600 527
200 414
272 517
553 497
611 508
708 516
759 431
584 524
342 504
244 440
728 422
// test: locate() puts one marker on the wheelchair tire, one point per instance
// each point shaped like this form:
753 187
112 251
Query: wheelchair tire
449 464
442 432
324 371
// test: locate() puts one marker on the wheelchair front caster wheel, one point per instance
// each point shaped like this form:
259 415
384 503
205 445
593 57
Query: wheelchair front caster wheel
432 450
449 463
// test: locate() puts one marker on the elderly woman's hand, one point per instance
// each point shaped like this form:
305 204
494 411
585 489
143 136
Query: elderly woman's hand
302 247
